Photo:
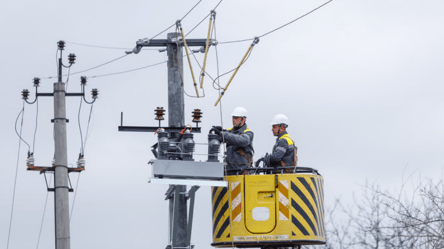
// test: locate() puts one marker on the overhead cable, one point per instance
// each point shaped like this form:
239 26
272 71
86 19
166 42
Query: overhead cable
306 14
74 200
190 10
104 47
174 24
80 128
204 18
67 79
276 29
36 123
87 127
43 216
244 59
16 172
103 64
140 68
22 112
198 24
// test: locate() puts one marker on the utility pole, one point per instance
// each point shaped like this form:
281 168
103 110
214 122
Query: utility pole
176 118
61 188
60 166
179 229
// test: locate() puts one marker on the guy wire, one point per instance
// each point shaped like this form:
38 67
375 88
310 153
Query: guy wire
16 172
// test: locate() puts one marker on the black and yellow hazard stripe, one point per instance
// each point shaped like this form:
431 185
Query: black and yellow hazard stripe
221 216
307 214
318 185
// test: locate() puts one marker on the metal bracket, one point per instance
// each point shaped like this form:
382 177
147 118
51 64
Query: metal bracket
52 120
53 189
44 169
192 194
169 193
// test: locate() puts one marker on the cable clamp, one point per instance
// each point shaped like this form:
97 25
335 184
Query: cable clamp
178 24
213 14
255 41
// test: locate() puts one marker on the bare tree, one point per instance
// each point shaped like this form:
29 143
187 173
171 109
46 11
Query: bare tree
379 219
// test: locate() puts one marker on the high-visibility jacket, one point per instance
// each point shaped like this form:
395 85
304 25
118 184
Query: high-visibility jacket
239 148
283 150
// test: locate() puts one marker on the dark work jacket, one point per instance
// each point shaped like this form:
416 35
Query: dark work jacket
238 139
283 150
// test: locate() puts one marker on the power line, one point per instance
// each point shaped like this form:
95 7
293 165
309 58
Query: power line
87 127
80 128
174 24
36 123
131 70
67 80
74 200
198 24
104 47
43 217
236 41
103 64
20 135
16 172
203 19
127 71
276 29
190 10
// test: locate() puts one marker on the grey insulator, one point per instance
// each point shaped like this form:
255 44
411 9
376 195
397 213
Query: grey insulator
163 142
30 161
188 146
213 147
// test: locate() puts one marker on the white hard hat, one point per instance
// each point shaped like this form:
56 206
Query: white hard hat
239 112
280 119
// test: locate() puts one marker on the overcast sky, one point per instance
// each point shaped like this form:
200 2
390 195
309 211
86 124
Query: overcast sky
361 82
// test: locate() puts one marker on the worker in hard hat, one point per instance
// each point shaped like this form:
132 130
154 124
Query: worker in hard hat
284 150
239 139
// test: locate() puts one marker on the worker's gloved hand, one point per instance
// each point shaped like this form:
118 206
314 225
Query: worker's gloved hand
258 161
217 129
220 139
267 160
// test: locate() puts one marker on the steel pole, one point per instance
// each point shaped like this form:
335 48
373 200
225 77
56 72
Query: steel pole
176 118
61 189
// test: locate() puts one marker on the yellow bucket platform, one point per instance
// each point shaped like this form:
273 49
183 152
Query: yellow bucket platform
263 210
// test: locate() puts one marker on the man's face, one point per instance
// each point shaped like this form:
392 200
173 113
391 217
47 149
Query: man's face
275 130
237 121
